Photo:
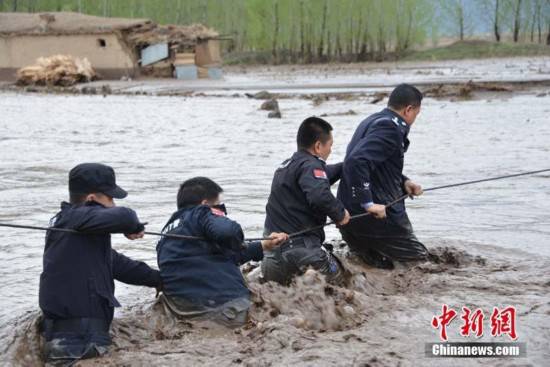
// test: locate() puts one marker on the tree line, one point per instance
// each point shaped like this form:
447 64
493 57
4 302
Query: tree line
326 30
522 20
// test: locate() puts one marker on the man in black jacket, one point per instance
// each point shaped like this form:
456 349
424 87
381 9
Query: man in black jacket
301 198
201 276
77 282
373 176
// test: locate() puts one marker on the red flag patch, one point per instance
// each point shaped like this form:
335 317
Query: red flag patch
319 173
217 212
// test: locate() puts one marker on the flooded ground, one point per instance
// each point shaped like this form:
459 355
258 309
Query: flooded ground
493 239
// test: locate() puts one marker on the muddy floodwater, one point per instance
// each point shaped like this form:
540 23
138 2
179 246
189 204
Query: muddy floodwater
491 241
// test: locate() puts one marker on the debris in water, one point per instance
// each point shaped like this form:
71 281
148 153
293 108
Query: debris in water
346 113
319 99
88 90
378 97
273 106
270 105
274 115
464 91
260 95
106 89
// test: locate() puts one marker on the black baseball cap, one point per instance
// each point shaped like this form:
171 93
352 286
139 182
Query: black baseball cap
87 178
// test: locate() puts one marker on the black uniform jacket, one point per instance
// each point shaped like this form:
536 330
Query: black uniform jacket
300 195
78 274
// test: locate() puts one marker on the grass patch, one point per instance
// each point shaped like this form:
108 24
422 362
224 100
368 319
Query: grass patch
473 49
478 50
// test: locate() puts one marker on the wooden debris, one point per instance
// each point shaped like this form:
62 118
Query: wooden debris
188 35
62 70
184 58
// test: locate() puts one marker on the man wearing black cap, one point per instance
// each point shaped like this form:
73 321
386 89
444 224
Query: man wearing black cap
77 283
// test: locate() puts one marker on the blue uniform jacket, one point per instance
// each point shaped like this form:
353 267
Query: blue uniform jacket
204 272
78 274
373 166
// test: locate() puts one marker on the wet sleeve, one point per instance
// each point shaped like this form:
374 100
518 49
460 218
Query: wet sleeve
334 172
315 184
109 220
134 272
253 251
404 178
373 149
221 230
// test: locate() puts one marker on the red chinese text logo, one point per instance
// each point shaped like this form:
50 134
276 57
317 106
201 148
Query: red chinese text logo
503 322
447 315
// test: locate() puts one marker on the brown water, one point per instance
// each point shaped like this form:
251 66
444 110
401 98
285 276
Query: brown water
156 142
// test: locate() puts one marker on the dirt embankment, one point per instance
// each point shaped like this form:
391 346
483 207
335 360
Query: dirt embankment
450 91
445 91
463 79
382 318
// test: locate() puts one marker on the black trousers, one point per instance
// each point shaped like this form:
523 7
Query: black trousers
69 340
296 256
380 242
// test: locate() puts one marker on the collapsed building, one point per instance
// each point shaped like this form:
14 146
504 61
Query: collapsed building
115 47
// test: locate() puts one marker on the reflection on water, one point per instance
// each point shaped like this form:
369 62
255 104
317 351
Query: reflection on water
155 143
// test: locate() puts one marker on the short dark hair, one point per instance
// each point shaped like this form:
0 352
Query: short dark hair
311 130
77 198
197 189
405 95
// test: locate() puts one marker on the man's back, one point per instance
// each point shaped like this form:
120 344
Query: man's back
374 161
204 272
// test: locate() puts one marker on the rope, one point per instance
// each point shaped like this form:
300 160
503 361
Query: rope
295 234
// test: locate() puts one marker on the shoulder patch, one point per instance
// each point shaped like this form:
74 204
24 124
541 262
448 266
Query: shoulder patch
217 212
319 173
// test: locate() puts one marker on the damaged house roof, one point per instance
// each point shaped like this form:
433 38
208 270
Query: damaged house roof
65 23
139 32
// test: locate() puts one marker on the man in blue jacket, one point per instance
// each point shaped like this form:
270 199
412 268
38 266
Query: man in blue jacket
373 177
201 275
77 282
